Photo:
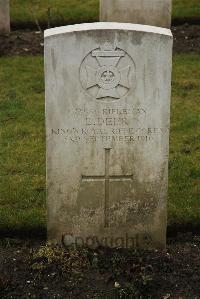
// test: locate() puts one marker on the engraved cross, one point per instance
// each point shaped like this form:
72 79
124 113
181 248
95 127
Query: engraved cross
106 178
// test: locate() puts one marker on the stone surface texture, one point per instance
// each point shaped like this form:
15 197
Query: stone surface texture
147 12
4 16
108 89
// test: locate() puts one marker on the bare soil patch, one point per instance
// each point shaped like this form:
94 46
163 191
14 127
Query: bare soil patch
34 270
22 43
186 40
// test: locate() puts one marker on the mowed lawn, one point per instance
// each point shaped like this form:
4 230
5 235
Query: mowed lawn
77 11
22 143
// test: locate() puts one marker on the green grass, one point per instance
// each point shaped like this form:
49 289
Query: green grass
22 163
68 11
22 148
186 9
78 11
184 171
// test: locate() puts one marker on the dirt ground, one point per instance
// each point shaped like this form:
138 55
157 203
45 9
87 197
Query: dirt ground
35 270
186 40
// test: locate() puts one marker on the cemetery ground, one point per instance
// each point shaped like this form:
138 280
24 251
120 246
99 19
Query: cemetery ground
31 269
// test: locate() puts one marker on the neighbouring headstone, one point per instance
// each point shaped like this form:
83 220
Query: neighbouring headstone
147 12
4 16
107 128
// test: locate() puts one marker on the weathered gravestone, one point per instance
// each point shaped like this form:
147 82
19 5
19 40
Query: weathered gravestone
107 124
4 16
147 12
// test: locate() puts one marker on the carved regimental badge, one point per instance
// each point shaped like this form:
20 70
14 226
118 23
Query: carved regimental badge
107 73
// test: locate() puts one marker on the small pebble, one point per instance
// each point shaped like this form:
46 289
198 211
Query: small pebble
117 285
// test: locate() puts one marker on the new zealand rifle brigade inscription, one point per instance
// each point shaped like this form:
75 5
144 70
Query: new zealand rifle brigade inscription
106 73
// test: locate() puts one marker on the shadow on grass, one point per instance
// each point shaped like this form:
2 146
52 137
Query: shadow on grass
40 233
36 233
190 229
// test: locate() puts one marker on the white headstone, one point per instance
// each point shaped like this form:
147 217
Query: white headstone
107 128
147 12
4 16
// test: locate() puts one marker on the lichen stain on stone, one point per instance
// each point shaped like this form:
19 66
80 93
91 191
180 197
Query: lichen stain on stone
143 214
161 219
163 170
53 58
88 219
103 36
65 74
136 38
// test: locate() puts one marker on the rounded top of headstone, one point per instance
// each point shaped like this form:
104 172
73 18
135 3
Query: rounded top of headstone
106 26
